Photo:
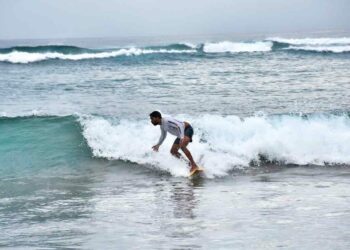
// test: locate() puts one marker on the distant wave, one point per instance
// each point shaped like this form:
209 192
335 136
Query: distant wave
45 48
27 54
176 46
234 47
29 57
312 41
332 45
333 49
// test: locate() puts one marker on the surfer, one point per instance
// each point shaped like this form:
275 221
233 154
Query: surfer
182 130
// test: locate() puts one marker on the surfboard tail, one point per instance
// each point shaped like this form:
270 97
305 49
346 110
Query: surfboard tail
196 172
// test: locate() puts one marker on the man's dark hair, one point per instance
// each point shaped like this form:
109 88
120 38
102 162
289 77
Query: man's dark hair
155 114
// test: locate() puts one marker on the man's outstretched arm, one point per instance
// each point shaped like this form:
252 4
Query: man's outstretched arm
161 139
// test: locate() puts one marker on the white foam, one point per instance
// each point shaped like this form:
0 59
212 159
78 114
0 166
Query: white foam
226 143
131 141
233 47
26 57
312 41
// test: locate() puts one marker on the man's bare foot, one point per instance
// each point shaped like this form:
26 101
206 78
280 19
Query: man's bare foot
193 167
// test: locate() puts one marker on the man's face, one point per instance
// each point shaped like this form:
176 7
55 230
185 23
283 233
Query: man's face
155 120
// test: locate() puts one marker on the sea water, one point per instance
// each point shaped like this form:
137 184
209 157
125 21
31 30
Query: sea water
271 129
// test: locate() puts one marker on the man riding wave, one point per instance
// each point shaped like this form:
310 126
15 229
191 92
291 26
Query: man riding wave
182 130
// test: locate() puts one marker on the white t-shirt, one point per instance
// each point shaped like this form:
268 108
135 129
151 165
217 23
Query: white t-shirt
173 126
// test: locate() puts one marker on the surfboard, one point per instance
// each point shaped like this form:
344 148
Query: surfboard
198 172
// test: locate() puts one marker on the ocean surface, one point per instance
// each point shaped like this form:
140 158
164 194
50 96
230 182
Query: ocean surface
271 120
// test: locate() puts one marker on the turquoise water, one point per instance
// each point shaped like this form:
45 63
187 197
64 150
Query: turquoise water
272 130
28 144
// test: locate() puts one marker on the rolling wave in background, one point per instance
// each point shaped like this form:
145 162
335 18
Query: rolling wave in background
221 143
333 45
26 54
233 47
28 57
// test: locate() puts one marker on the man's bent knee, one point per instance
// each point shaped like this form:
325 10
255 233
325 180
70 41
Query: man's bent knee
185 143
173 151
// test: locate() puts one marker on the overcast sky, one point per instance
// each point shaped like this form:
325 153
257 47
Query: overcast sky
122 18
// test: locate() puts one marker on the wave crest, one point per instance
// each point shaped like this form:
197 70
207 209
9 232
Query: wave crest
233 47
46 48
26 57
25 54
311 41
333 45
224 143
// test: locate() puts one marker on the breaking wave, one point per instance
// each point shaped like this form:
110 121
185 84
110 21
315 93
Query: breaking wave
233 47
29 57
27 54
312 41
332 45
222 144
